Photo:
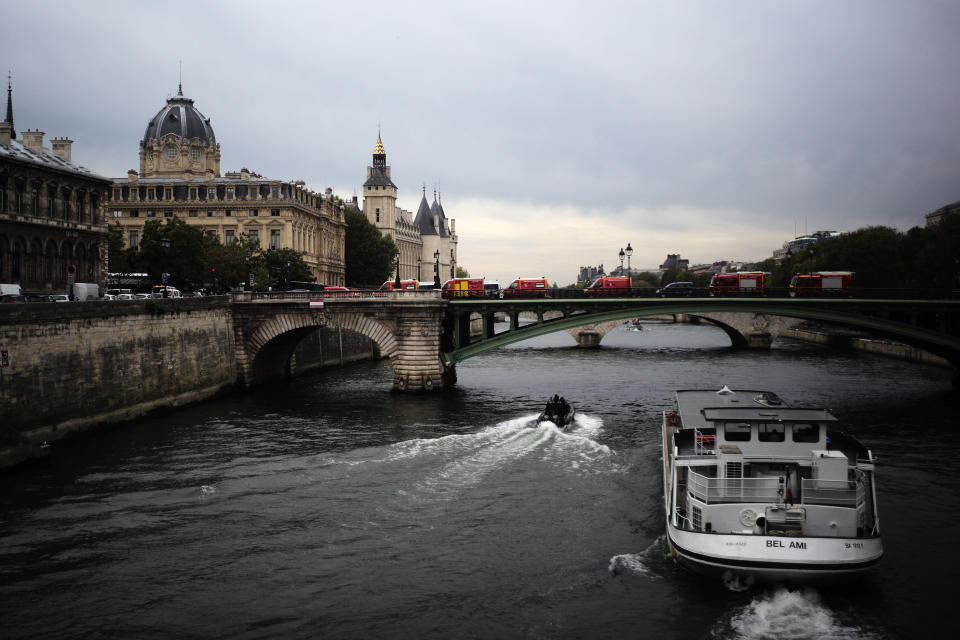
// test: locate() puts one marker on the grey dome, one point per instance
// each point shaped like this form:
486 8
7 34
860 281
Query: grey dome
182 119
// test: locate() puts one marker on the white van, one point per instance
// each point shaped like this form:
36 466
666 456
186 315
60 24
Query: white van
9 290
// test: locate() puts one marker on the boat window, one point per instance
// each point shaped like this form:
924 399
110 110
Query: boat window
770 432
736 431
806 432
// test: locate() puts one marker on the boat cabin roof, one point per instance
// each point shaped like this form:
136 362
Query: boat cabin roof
699 408
749 414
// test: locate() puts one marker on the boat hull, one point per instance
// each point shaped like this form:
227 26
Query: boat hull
759 558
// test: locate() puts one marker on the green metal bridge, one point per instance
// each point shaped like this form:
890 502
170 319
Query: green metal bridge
931 325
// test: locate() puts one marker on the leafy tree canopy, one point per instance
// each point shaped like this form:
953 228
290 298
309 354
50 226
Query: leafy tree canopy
369 255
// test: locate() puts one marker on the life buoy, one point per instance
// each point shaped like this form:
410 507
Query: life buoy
673 419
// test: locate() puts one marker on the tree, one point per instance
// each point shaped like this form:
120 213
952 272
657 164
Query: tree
369 255
121 260
461 272
285 265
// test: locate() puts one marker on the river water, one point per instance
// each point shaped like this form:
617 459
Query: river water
332 508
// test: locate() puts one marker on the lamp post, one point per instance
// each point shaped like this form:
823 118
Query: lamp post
396 283
629 253
621 260
419 261
165 243
452 265
436 268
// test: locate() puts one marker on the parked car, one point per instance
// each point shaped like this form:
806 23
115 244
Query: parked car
127 296
39 297
60 297
109 296
13 298
676 289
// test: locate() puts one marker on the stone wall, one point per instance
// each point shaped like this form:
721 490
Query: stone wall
73 367
332 347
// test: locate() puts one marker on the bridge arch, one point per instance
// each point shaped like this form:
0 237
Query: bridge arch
268 348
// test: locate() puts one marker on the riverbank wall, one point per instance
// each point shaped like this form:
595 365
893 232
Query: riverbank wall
846 340
70 369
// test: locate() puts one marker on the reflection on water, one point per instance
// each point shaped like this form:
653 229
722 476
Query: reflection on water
332 507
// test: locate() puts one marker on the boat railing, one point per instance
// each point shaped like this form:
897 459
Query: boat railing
837 493
719 490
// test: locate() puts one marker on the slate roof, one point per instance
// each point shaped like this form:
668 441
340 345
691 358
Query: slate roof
182 119
48 160
378 178
424 219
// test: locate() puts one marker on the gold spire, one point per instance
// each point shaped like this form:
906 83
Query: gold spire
378 150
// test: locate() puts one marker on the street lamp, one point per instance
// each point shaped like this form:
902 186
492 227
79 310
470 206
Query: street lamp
452 272
621 260
436 268
165 243
629 253
418 268
396 284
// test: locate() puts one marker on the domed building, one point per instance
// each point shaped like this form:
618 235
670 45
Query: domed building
180 177
179 140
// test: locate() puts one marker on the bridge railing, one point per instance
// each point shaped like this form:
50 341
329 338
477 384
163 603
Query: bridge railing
578 294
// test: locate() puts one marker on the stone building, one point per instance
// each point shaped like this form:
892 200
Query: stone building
52 228
426 241
180 177
936 217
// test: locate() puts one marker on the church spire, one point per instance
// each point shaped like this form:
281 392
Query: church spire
379 153
9 117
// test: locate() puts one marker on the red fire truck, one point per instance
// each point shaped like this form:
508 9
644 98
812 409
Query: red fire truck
526 288
821 283
608 287
750 283
405 285
463 288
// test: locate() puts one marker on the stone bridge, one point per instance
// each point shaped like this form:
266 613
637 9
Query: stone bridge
406 329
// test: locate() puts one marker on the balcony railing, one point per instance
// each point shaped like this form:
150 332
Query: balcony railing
837 493
720 490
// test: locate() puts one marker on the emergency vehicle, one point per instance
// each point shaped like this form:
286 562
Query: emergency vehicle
821 283
405 285
463 288
526 288
608 287
751 283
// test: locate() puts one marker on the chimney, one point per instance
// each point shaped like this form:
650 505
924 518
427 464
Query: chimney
132 176
453 226
61 147
6 129
33 140
436 223
244 174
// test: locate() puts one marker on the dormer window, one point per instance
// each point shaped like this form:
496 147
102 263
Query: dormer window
171 153
194 154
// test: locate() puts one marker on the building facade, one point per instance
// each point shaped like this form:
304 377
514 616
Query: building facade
426 241
52 229
180 177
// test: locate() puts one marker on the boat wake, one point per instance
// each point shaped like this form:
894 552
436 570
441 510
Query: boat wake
785 614
653 562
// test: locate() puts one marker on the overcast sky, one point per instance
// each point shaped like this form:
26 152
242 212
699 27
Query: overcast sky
557 131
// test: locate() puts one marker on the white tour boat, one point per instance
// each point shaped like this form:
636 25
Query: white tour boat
755 489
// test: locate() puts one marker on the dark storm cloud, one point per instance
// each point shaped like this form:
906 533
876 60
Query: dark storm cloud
840 114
